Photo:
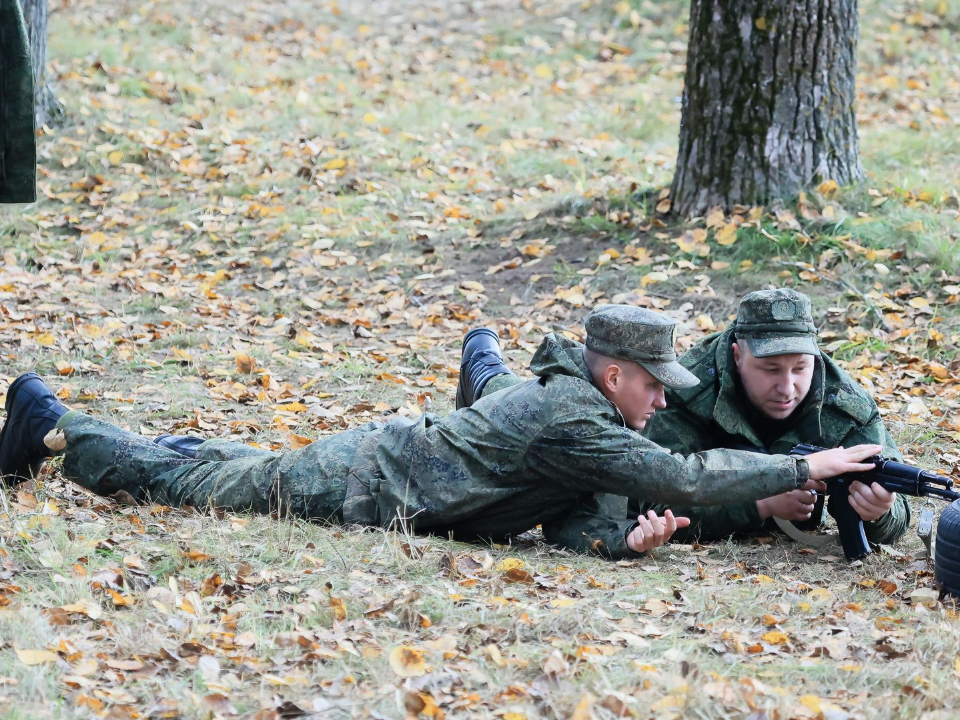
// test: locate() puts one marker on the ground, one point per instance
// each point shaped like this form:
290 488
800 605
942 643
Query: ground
273 220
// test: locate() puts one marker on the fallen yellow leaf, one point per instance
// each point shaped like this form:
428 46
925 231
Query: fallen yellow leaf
55 440
35 657
407 661
775 637
543 71
654 277
727 234
196 555
828 187
85 607
583 710
245 363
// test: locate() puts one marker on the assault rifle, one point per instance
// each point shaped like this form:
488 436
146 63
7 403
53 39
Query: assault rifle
896 477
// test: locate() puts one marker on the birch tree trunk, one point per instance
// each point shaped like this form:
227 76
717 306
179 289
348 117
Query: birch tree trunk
769 101
48 109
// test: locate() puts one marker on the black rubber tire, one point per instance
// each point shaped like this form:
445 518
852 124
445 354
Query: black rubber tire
948 549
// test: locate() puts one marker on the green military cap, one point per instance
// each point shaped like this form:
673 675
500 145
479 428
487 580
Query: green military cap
776 322
641 336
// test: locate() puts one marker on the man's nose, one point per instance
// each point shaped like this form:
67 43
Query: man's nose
784 385
660 401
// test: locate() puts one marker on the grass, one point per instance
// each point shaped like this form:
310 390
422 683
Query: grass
464 137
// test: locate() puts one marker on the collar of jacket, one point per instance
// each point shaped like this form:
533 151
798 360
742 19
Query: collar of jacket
559 356
728 411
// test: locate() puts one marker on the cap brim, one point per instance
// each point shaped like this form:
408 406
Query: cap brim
782 345
672 374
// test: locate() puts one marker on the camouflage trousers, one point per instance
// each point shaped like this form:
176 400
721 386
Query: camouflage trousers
500 382
310 482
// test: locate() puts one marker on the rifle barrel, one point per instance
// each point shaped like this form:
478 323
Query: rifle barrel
897 476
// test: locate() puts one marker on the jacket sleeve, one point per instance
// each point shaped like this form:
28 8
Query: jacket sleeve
588 530
588 453
892 525
678 429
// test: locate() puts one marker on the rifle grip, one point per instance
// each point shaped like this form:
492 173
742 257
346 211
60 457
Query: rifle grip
849 524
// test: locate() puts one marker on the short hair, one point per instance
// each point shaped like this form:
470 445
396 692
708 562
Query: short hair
598 363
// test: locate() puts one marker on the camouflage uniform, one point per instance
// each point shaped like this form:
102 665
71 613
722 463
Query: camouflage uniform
18 150
716 413
535 454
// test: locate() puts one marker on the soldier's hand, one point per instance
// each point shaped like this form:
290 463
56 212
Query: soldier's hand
870 501
830 463
794 505
653 531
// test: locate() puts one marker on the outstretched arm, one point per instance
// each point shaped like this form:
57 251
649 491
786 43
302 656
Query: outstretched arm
586 455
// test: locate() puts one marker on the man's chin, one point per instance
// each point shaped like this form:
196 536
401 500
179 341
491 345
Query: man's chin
779 413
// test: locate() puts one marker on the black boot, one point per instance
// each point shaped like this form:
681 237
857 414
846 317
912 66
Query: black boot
186 445
480 360
32 412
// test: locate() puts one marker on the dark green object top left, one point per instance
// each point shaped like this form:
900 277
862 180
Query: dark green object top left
18 140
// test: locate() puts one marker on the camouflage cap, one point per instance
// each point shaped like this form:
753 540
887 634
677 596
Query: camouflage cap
641 336
777 322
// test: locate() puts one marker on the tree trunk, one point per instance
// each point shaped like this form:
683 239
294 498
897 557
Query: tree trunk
18 142
48 109
769 101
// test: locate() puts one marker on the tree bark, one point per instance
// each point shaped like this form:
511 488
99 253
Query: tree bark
18 142
769 101
48 109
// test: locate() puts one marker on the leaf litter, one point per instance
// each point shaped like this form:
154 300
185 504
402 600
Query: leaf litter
269 228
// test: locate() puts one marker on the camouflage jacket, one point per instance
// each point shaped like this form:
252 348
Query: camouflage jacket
536 454
837 412
18 149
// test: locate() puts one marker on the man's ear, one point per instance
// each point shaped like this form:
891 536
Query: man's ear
736 353
612 376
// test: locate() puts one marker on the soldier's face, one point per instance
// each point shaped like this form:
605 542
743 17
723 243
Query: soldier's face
636 393
774 385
